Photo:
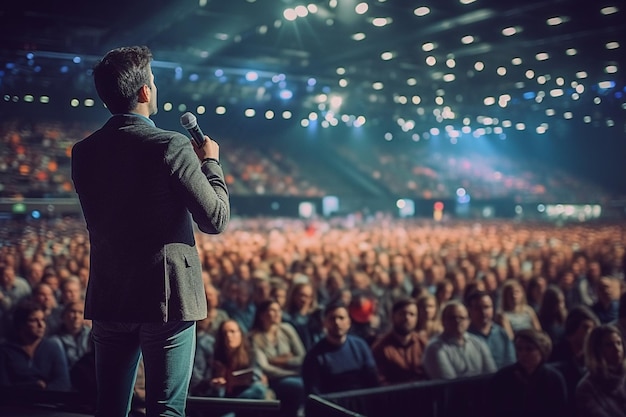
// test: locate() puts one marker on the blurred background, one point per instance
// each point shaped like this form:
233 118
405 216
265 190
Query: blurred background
459 108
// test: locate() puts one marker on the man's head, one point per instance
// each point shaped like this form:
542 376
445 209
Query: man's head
336 321
454 319
404 316
480 309
123 79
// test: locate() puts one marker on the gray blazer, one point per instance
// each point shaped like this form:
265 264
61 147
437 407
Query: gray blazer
139 187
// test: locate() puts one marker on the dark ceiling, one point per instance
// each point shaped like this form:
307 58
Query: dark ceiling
458 65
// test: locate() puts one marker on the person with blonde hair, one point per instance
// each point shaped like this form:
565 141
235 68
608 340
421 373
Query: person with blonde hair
602 391
515 308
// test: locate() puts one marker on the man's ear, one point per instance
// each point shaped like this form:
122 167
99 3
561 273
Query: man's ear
144 94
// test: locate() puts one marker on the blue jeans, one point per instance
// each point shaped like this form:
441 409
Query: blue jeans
168 352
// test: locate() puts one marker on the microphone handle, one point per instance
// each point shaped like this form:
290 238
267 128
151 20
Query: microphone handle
197 135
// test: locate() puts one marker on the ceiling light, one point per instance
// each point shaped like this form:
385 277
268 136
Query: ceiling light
466 40
557 20
489 101
377 85
358 36
341 71
381 21
479 66
421 11
386 56
557 92
542 56
512 30
312 8
449 77
581 74
411 81
467 1
301 11
516 61
501 71
431 60
361 8
612 45
428 46
608 10
610 69
450 63
290 14
530 74
571 52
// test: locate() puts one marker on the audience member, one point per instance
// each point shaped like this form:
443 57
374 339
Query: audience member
340 361
303 313
428 317
215 315
602 391
620 323
568 353
74 336
481 313
279 353
44 296
398 353
552 313
530 387
515 308
607 306
455 353
29 359
235 373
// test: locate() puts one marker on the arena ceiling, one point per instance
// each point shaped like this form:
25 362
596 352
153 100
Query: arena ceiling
456 66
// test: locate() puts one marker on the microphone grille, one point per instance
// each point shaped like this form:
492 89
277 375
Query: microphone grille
188 120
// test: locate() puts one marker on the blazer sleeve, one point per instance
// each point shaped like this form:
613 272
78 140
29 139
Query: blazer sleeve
201 186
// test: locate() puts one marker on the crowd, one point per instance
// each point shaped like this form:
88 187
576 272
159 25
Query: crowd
322 306
35 162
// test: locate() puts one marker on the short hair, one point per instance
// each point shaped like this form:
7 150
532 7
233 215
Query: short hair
451 304
594 360
475 296
402 303
119 76
334 305
539 338
22 312
576 316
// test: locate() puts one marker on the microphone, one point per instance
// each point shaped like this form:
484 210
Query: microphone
189 122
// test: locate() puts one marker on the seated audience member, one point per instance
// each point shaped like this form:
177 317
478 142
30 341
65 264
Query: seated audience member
428 319
215 315
607 306
13 289
71 290
235 372
304 314
340 361
238 303
481 312
602 391
279 353
29 359
73 335
44 296
398 354
515 309
568 355
455 353
530 387
201 375
552 313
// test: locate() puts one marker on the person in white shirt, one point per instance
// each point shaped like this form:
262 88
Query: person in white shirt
455 353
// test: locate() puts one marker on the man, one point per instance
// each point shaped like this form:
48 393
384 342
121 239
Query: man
29 359
13 289
480 309
398 354
607 306
455 353
340 361
140 187
73 335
